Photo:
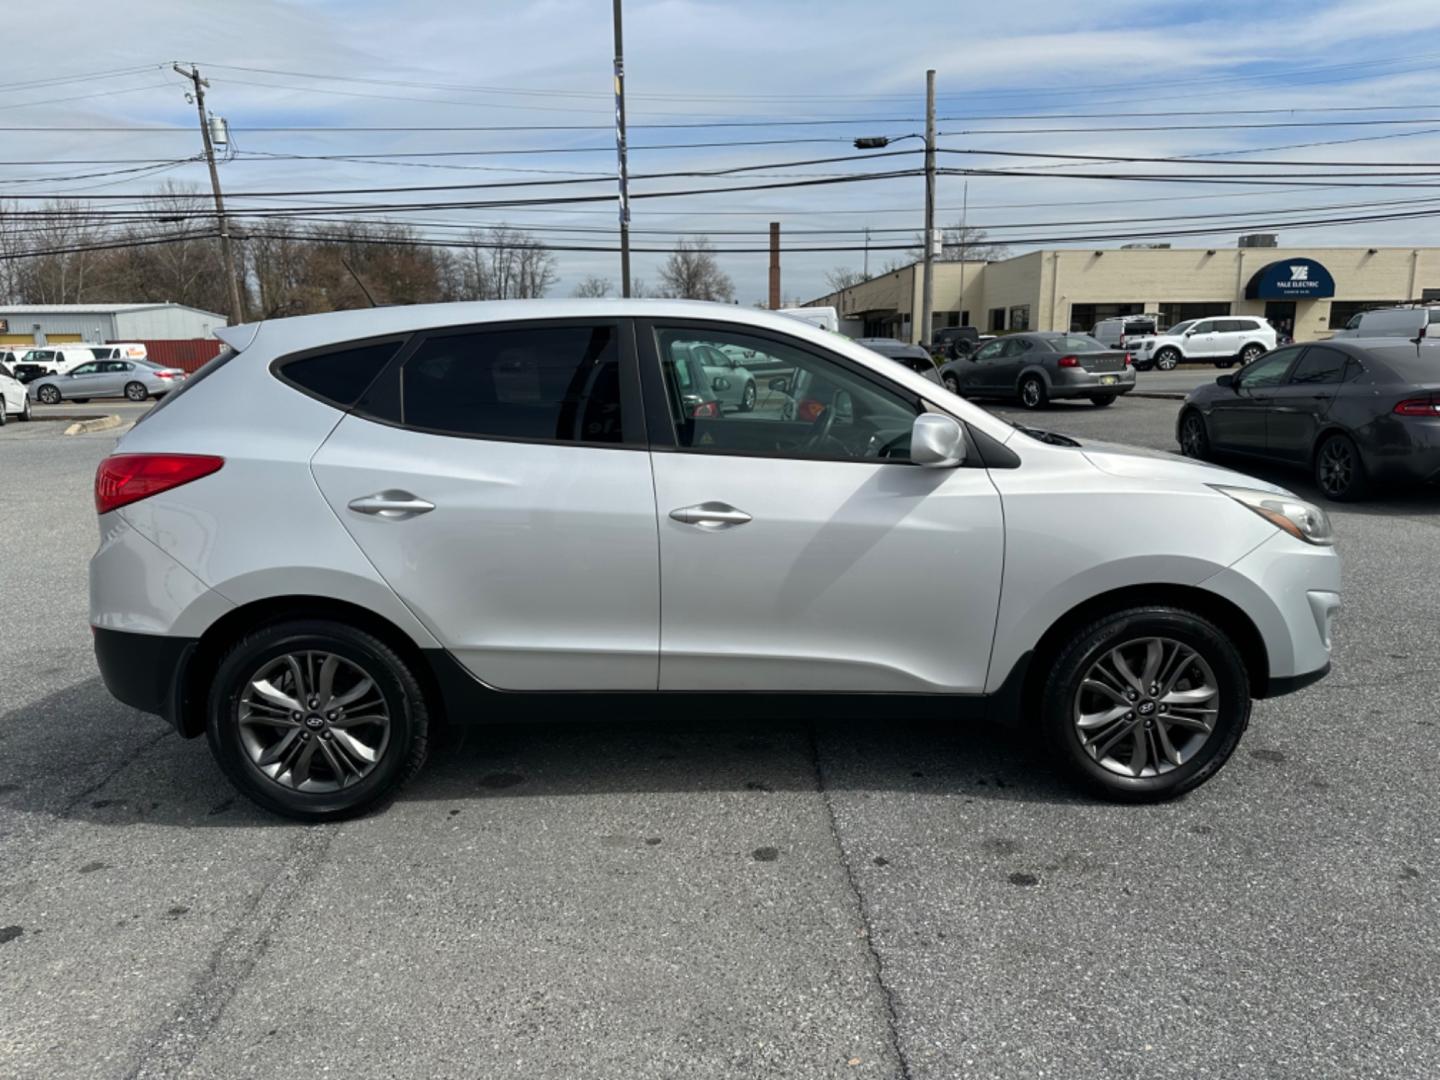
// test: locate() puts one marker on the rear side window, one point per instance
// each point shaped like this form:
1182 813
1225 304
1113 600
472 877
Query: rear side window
551 384
341 376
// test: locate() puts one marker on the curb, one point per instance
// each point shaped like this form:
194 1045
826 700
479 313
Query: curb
99 423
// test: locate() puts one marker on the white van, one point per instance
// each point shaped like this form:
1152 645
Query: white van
120 350
826 318
57 359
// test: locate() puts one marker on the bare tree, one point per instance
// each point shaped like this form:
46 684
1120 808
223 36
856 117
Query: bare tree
593 286
691 273
963 243
842 278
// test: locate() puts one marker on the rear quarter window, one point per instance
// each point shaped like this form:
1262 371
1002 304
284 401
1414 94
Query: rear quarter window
339 376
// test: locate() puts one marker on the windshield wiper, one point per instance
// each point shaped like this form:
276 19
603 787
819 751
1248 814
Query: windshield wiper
1044 436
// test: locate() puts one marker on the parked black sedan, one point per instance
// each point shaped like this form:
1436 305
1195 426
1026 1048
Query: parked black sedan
1355 412
1039 365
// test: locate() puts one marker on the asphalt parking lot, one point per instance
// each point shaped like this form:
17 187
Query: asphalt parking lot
752 898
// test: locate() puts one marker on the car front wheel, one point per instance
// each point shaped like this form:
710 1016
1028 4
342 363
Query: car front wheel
1166 359
316 720
1145 704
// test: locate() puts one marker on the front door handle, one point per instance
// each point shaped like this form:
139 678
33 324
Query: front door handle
710 515
391 504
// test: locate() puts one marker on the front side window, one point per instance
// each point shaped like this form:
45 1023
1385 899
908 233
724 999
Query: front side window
989 352
1269 370
807 405
1016 346
552 384
1206 327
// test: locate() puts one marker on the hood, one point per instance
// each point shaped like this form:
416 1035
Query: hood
1142 464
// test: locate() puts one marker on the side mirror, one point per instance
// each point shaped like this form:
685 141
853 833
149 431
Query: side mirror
1225 380
720 384
1189 333
937 441
780 385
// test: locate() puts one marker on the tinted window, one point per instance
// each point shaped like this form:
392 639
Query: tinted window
1180 328
1206 327
1269 370
339 377
559 384
1016 346
812 406
1320 365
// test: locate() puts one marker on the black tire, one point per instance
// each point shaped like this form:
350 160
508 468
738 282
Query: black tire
1339 469
1249 354
4 414
399 760
25 410
1032 391
1102 400
48 395
951 383
1062 700
135 391
747 397
1167 359
1194 438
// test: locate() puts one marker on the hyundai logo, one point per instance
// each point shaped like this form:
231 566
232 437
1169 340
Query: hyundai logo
1145 708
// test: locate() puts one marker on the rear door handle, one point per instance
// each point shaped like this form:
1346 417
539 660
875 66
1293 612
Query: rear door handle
710 515
391 504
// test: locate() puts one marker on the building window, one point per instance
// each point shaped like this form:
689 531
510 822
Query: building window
1083 317
997 319
1170 314
1020 317
964 318
952 318
1342 311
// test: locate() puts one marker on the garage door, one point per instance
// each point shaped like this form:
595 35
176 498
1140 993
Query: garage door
17 339
64 339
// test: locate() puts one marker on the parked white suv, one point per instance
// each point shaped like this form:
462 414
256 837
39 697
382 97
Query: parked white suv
362 524
1224 340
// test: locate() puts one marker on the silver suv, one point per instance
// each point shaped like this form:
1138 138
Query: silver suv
354 527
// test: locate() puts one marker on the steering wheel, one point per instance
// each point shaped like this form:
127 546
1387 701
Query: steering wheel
820 428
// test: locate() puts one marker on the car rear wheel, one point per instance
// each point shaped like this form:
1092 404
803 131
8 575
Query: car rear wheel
1102 400
951 383
1032 392
25 409
48 395
1146 704
316 720
1339 470
1167 359
1194 439
136 391
1250 354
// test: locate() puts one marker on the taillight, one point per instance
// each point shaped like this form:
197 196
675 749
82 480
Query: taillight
1419 406
1069 361
123 479
164 374
706 410
1129 360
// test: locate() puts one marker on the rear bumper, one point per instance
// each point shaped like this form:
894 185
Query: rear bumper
1085 383
144 670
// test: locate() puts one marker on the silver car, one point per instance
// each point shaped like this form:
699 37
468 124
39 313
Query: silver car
358 526
134 380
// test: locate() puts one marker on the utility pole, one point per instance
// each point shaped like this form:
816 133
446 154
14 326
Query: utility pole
237 306
620 152
964 239
927 303
774 266
867 253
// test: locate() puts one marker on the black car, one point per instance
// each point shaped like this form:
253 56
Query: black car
912 356
1355 412
28 373
952 342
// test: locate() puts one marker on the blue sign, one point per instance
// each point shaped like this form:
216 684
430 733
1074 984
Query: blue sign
1290 279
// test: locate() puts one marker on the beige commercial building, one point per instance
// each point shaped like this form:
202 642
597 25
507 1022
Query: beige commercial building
1308 292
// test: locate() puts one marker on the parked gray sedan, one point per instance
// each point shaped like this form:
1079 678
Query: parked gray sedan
1035 367
132 379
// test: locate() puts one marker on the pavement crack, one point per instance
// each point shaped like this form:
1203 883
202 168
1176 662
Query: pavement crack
169 1051
874 960
125 761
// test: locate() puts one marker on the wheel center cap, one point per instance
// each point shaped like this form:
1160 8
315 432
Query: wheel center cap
1145 708
314 723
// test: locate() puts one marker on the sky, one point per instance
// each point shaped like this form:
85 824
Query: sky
1235 85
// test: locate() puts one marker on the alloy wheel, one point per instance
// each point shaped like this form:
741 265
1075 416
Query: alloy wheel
313 721
952 384
1337 467
134 391
1250 355
1192 437
1146 707
49 395
1167 360
1031 393
747 399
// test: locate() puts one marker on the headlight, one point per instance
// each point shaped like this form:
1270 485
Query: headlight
1302 520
